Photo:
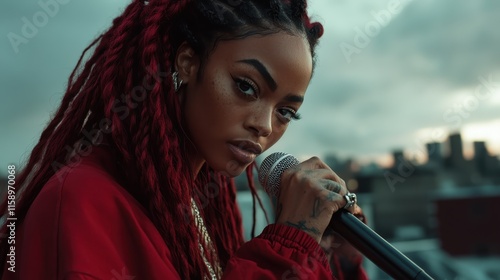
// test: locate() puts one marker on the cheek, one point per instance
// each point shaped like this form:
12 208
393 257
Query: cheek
220 104
210 106
278 131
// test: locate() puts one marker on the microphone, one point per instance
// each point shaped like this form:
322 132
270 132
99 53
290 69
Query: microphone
359 235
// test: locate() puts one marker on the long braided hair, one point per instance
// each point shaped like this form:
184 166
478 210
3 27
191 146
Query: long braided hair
125 92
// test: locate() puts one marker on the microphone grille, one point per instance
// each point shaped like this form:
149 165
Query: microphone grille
271 169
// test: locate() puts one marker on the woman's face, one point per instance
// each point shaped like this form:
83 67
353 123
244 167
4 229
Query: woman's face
249 91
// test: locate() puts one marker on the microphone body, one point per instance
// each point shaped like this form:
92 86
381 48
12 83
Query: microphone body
375 248
359 235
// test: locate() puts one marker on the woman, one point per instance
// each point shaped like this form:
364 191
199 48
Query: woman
129 179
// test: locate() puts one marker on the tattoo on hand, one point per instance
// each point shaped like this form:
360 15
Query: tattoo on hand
302 226
333 186
331 196
315 210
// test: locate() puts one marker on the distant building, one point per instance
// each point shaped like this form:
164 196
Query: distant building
401 199
405 201
434 153
481 157
467 221
402 202
397 157
455 151
463 172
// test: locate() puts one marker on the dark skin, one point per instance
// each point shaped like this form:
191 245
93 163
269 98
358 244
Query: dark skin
249 91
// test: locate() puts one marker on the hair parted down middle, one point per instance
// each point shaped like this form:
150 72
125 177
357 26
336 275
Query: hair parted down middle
126 85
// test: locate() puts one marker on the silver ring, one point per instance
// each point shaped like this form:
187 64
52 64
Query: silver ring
351 200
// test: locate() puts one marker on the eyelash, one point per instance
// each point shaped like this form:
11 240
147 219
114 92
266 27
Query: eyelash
248 82
294 115
255 88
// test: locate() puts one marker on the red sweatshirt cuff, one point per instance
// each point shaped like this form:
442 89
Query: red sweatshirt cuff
296 239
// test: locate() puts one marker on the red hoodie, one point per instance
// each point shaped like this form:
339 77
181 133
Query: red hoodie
84 225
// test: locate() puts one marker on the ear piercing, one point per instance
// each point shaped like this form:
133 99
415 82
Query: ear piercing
177 81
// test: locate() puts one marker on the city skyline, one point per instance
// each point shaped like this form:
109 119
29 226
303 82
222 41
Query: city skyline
419 155
390 74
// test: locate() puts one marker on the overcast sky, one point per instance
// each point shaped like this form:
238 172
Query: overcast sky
391 74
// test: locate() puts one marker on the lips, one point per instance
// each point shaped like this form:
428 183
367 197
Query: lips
244 151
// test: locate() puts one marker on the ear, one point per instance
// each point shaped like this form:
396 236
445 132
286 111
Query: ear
186 62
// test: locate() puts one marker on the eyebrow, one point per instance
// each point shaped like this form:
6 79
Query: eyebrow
294 98
263 71
269 79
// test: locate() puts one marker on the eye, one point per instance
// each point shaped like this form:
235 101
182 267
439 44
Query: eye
246 87
288 114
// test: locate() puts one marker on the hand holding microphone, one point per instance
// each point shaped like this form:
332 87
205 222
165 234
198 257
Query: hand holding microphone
310 197
306 194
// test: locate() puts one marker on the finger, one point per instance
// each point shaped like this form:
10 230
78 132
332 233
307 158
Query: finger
338 194
333 197
301 174
335 192
338 199
306 170
358 212
316 163
333 186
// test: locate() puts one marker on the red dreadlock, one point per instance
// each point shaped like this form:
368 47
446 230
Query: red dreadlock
125 91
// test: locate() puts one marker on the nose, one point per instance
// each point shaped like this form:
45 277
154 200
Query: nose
260 122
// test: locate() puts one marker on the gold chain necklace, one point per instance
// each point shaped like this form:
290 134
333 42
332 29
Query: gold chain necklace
204 238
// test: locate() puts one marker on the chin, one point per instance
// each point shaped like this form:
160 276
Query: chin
231 169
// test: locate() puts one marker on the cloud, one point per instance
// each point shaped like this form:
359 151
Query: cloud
33 80
418 66
406 78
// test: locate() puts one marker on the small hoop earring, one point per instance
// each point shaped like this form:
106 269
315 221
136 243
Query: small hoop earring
177 81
